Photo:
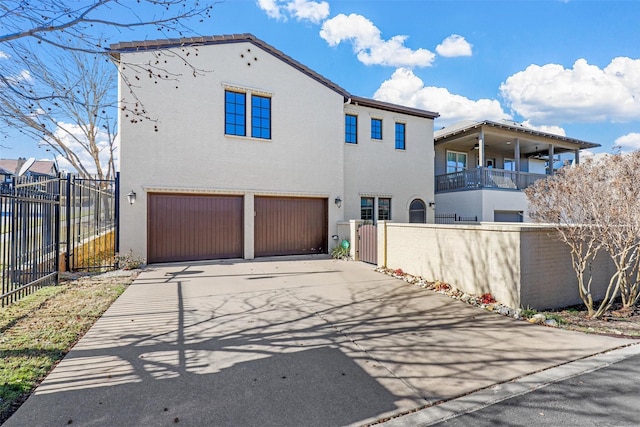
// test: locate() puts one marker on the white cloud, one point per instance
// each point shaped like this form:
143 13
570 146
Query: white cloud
368 44
71 134
584 93
556 130
271 7
24 76
405 88
454 45
629 142
304 10
301 10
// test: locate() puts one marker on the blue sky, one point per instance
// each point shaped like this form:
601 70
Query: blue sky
563 66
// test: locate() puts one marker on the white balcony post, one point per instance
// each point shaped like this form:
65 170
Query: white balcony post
577 157
481 149
551 159
516 154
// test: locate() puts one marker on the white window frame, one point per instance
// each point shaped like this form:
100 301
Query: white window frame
457 153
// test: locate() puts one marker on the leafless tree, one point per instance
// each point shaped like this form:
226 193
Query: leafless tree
78 121
595 207
55 68
80 25
565 202
621 239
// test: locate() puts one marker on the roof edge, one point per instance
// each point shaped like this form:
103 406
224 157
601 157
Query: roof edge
522 129
366 102
135 46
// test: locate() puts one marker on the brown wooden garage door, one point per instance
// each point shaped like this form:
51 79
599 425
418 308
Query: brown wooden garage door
290 226
194 227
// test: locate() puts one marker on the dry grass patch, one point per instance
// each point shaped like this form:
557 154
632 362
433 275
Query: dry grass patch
39 330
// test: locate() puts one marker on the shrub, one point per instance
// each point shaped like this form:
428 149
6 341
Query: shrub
487 298
340 252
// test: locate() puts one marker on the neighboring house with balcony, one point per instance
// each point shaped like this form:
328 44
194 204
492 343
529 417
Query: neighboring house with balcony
482 167
272 156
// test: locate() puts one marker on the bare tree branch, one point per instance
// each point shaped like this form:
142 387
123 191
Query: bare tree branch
595 208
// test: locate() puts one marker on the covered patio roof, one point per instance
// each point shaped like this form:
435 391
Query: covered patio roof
500 137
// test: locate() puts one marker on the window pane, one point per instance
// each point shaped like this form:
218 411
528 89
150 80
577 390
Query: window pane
384 209
260 117
350 129
462 161
366 208
456 162
376 129
417 212
510 164
400 136
234 121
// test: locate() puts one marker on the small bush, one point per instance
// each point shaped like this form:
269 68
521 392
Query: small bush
340 252
129 261
441 286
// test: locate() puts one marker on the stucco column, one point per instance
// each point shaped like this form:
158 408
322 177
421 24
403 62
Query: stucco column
249 226
516 154
382 243
354 224
551 159
576 157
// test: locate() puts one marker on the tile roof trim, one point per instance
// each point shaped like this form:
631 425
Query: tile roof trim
135 46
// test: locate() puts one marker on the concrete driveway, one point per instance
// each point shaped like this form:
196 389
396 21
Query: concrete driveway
286 341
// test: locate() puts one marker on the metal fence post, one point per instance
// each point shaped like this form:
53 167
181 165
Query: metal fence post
67 255
117 216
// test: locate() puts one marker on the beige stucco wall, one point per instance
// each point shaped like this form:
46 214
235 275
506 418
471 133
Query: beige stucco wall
374 168
191 153
520 265
183 147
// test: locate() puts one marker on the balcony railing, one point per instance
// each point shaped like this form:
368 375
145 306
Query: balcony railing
480 178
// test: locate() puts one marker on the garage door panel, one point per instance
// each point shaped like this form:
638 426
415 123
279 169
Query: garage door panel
189 227
290 226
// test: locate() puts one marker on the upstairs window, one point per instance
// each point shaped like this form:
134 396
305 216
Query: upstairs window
509 164
350 129
234 113
376 128
456 162
260 117
400 136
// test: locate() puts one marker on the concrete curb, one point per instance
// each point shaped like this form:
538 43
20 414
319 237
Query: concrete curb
499 392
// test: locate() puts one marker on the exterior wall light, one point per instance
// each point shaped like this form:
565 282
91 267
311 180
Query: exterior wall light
338 201
131 196
432 205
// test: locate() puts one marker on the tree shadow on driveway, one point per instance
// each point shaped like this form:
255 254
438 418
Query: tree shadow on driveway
333 344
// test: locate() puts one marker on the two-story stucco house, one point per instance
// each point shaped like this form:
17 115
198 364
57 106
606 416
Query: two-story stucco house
481 168
243 152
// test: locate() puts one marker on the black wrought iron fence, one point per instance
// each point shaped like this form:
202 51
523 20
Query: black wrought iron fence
89 216
453 218
51 224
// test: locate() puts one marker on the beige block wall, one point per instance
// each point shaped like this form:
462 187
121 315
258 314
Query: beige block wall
547 276
520 265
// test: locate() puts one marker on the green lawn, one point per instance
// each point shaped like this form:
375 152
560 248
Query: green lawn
40 329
